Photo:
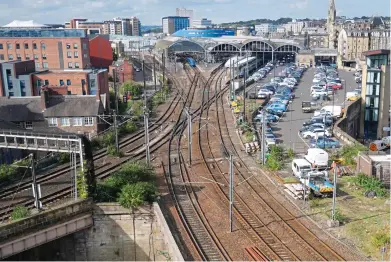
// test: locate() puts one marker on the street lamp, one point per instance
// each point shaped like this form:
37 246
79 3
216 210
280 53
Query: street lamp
344 98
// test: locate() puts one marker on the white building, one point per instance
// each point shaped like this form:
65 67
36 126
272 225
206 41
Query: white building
201 23
266 28
294 27
280 29
185 13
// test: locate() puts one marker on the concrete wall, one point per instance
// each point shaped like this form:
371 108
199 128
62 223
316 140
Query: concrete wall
119 236
347 128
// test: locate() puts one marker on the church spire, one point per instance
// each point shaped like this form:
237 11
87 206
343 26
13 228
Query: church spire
331 24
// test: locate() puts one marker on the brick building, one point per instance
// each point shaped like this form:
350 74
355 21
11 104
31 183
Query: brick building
49 48
124 70
101 54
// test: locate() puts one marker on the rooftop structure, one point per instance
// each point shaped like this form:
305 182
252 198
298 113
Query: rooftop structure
24 24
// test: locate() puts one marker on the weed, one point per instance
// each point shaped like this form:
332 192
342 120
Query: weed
19 212
381 239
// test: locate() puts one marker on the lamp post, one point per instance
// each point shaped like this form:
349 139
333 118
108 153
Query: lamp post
344 98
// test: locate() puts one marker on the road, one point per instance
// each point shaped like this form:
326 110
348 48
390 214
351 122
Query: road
138 76
287 129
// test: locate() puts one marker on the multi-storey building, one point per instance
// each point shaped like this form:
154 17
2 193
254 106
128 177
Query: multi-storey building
101 53
74 23
375 94
126 27
380 39
266 28
185 13
171 24
49 48
352 44
112 27
202 23
294 27
317 40
20 79
91 27
136 26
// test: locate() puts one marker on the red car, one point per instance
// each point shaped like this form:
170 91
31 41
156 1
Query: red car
335 86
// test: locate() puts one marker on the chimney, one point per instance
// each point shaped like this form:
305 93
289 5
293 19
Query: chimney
44 99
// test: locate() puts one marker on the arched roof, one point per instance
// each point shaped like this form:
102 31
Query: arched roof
185 45
225 47
287 47
257 45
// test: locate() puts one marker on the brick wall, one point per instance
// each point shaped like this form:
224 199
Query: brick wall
48 47
76 86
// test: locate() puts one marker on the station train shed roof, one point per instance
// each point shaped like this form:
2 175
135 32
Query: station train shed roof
228 44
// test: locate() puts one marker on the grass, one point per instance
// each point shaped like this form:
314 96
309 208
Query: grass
364 219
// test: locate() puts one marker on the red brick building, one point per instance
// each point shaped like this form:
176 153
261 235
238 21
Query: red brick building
124 70
101 54
49 48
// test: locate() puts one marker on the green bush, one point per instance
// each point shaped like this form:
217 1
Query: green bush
19 212
291 153
128 128
370 183
7 171
381 239
112 151
108 138
96 143
64 158
81 182
349 153
339 216
133 195
275 159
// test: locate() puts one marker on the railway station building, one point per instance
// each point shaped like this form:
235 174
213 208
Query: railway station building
215 50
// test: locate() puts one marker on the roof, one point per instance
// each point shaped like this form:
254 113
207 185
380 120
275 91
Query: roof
380 158
24 24
17 109
377 52
73 105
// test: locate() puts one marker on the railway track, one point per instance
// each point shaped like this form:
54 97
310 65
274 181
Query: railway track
203 239
61 176
285 236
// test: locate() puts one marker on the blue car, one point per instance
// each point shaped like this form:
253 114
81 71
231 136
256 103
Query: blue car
274 112
277 106
325 143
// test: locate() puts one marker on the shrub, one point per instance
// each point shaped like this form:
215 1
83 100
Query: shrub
108 138
96 143
291 153
63 158
133 195
112 151
19 212
82 187
381 239
128 128
370 183
275 159
349 153
339 216
249 136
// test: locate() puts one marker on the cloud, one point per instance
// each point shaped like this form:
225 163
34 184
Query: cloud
301 4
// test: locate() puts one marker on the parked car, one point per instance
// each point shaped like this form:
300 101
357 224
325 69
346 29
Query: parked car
270 137
324 143
316 132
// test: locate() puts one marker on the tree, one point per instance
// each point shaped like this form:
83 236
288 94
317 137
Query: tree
115 56
133 88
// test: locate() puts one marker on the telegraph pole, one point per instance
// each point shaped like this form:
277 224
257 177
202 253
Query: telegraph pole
334 191
154 71
116 132
263 138
230 75
189 131
146 120
35 187
115 89
164 65
244 89
231 191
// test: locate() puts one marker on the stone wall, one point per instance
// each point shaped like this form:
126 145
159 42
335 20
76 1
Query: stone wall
118 235
45 218
347 128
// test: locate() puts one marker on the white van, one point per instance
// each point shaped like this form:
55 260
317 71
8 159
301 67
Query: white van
318 158
300 168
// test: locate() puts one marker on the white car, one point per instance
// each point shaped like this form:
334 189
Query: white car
318 93
316 88
267 91
316 132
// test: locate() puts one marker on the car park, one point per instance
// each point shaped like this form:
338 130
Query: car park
271 137
325 143
315 133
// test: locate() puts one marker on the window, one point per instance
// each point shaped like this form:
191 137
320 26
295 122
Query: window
18 57
372 90
76 65
1 46
26 46
43 46
11 93
22 84
27 57
9 46
85 55
70 65
17 46
29 125
68 82
52 122
61 82
35 46
46 82
76 54
45 65
69 54
44 56
84 46
371 114
372 102
35 56
92 83
75 46
10 57
1 57
88 121
65 121
77 121
22 93
37 65
68 46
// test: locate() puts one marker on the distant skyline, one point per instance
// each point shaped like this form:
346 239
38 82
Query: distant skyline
150 12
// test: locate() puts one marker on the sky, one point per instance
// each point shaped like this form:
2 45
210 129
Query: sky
150 12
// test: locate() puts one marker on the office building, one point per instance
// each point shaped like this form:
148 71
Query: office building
375 94
171 24
49 48
74 23
93 28
266 28
202 23
16 78
185 13
112 27
136 26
